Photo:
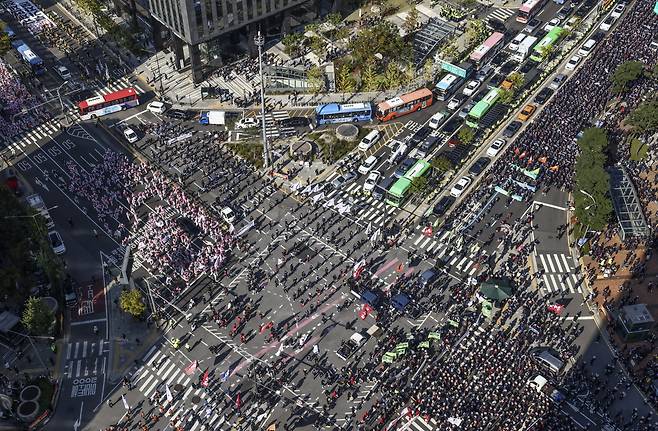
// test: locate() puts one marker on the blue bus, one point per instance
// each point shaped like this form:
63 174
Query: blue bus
343 113
29 57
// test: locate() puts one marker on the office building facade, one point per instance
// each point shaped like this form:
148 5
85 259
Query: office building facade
196 22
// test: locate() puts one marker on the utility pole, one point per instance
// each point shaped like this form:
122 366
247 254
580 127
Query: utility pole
259 40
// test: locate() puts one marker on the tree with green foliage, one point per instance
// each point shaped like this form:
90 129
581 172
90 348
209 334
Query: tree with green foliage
392 77
418 185
292 43
625 74
517 79
5 42
476 31
382 38
428 70
506 96
334 18
318 46
591 198
369 78
131 302
449 52
546 51
466 135
442 163
315 77
37 317
344 80
644 119
411 21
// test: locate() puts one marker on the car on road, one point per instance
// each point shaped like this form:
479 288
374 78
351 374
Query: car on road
495 147
156 107
247 123
443 205
479 96
420 136
369 140
557 81
130 135
368 164
543 95
56 242
526 112
70 297
532 25
512 128
228 215
177 114
428 277
404 167
294 122
461 185
471 87
371 181
514 44
464 111
427 146
479 165
451 125
573 62
351 346
607 23
382 187
587 47
457 100
484 72
344 179
437 119
495 81
618 10
63 72
552 24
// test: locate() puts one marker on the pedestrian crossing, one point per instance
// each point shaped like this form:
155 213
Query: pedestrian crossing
364 207
85 358
502 14
438 246
418 423
559 274
162 373
33 136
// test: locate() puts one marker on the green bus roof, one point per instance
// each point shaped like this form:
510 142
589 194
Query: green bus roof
483 106
400 187
417 170
548 40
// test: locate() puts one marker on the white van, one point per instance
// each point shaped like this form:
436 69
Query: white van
514 44
369 140
549 362
586 48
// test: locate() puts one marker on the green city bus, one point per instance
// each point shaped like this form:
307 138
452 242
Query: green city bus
399 192
482 107
550 40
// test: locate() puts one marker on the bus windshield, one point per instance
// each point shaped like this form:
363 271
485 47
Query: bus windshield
529 9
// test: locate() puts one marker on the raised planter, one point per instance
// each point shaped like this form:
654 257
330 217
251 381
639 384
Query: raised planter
347 132
27 411
30 393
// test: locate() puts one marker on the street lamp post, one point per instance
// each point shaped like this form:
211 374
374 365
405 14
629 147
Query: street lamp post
157 65
260 41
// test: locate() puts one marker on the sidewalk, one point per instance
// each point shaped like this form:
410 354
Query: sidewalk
129 338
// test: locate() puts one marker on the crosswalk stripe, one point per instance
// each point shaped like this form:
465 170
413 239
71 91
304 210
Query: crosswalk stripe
566 262
146 382
431 246
420 238
168 368
427 240
153 357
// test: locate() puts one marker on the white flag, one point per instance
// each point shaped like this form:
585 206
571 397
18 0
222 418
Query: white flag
170 397
369 229
125 402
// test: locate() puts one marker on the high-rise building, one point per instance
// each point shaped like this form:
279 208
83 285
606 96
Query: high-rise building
198 23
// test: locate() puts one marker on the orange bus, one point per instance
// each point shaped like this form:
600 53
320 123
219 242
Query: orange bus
405 104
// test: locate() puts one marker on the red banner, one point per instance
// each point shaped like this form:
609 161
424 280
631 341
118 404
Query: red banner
238 402
191 368
205 379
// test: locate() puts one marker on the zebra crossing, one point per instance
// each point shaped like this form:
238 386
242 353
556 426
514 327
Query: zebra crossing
85 358
418 423
161 371
364 207
438 247
53 126
559 273
502 14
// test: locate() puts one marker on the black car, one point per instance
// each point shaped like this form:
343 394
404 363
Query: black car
178 114
543 95
496 25
512 128
69 291
480 95
404 167
508 67
496 80
420 136
443 205
451 126
479 166
294 122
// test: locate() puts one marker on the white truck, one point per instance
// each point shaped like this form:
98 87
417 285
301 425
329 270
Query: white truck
212 117
37 203
524 49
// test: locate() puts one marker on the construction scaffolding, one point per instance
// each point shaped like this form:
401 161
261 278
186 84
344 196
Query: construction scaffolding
627 205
